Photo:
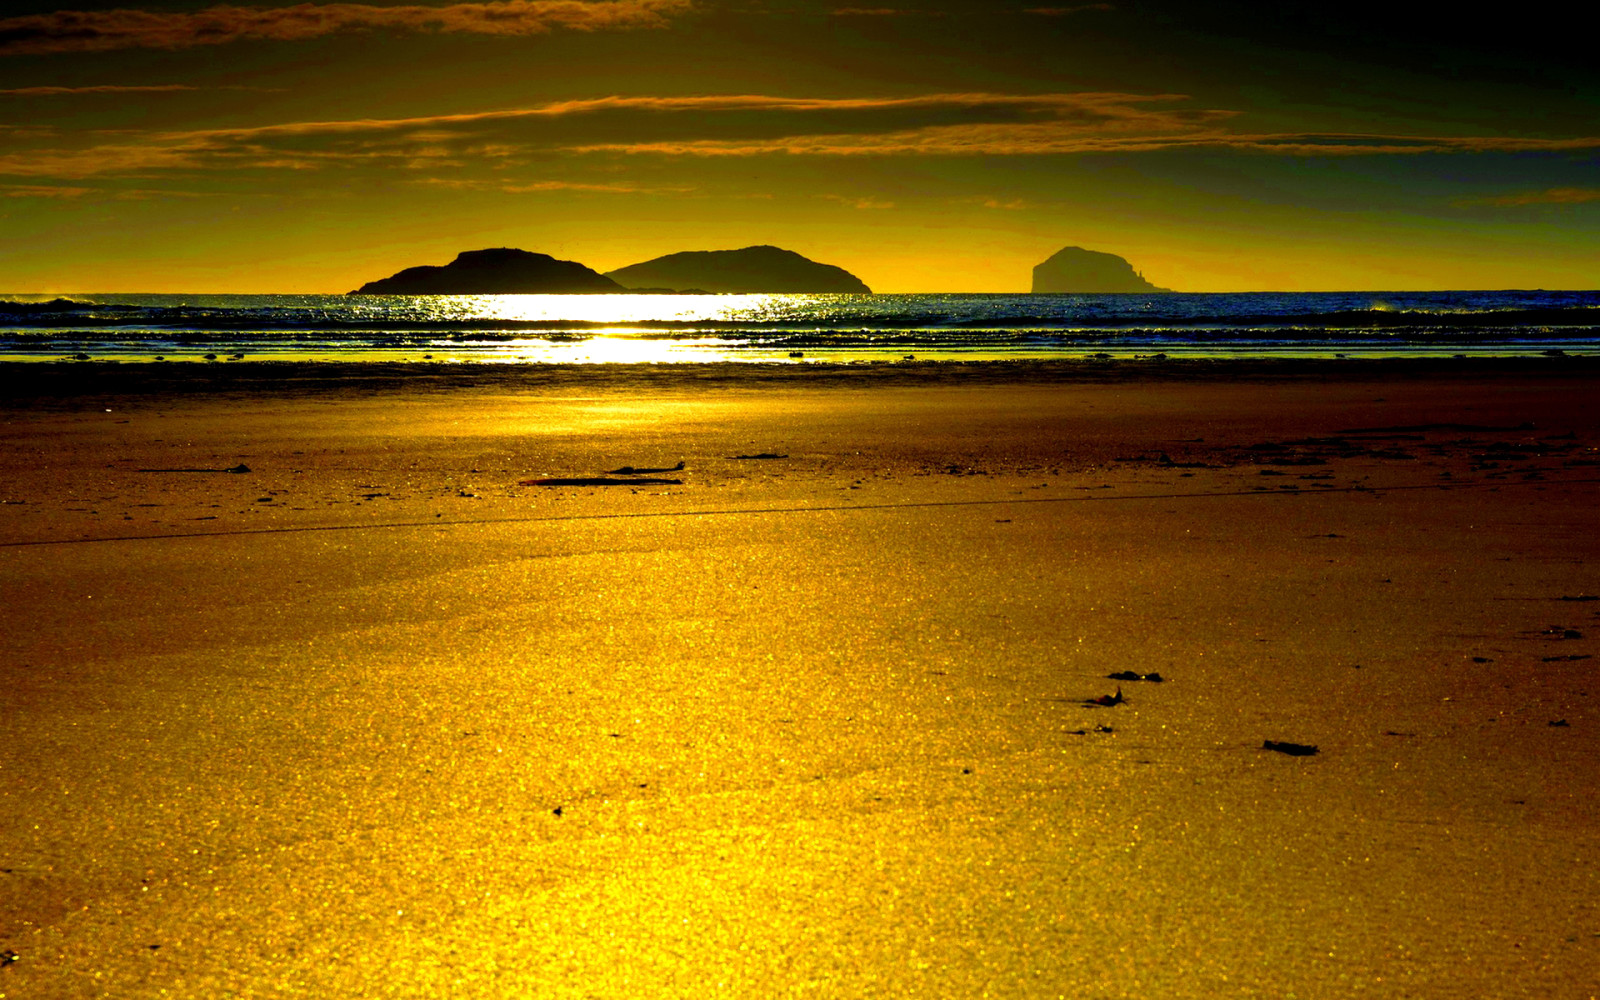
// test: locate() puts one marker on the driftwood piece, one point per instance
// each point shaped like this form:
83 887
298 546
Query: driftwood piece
599 481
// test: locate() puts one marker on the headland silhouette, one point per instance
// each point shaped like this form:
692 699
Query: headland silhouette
1089 272
507 271
498 271
752 269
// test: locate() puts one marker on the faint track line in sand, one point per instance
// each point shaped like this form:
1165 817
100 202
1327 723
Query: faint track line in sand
810 509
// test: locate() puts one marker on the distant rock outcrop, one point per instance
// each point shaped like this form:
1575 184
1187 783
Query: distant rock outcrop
753 269
1089 272
501 271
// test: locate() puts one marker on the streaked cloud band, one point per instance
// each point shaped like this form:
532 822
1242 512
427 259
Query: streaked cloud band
1053 139
1549 196
747 125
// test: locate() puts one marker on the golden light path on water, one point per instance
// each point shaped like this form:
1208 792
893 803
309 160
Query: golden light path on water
616 342
623 309
780 328
608 346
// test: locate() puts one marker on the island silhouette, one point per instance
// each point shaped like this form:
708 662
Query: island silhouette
755 269
1088 272
507 271
498 271
751 269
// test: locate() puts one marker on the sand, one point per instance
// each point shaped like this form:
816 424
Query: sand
373 719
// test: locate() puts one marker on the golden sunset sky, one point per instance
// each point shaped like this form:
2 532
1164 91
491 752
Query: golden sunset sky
935 145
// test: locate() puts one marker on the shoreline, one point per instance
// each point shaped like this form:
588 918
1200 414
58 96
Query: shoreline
20 381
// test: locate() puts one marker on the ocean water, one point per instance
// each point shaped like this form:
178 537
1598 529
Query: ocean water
792 328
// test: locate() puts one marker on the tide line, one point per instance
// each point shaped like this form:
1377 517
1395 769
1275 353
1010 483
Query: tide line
808 509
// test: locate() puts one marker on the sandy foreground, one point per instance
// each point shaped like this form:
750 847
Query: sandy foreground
373 719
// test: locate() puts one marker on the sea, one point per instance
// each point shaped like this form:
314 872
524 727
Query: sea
791 329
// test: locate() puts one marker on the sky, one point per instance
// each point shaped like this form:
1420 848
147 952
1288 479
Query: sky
936 145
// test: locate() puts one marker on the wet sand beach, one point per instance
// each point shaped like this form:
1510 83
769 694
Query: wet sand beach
309 688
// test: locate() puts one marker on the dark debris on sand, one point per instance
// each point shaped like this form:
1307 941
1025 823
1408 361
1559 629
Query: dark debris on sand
1106 700
628 470
1292 749
599 481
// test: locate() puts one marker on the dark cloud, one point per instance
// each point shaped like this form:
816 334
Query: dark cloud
159 88
1066 11
1520 47
98 31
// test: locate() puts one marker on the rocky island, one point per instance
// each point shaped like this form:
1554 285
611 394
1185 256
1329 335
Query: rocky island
1089 272
752 269
499 271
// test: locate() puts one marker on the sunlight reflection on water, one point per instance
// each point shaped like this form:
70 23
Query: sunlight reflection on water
610 347
616 308
787 328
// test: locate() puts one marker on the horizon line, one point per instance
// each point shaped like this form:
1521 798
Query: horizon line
8 295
